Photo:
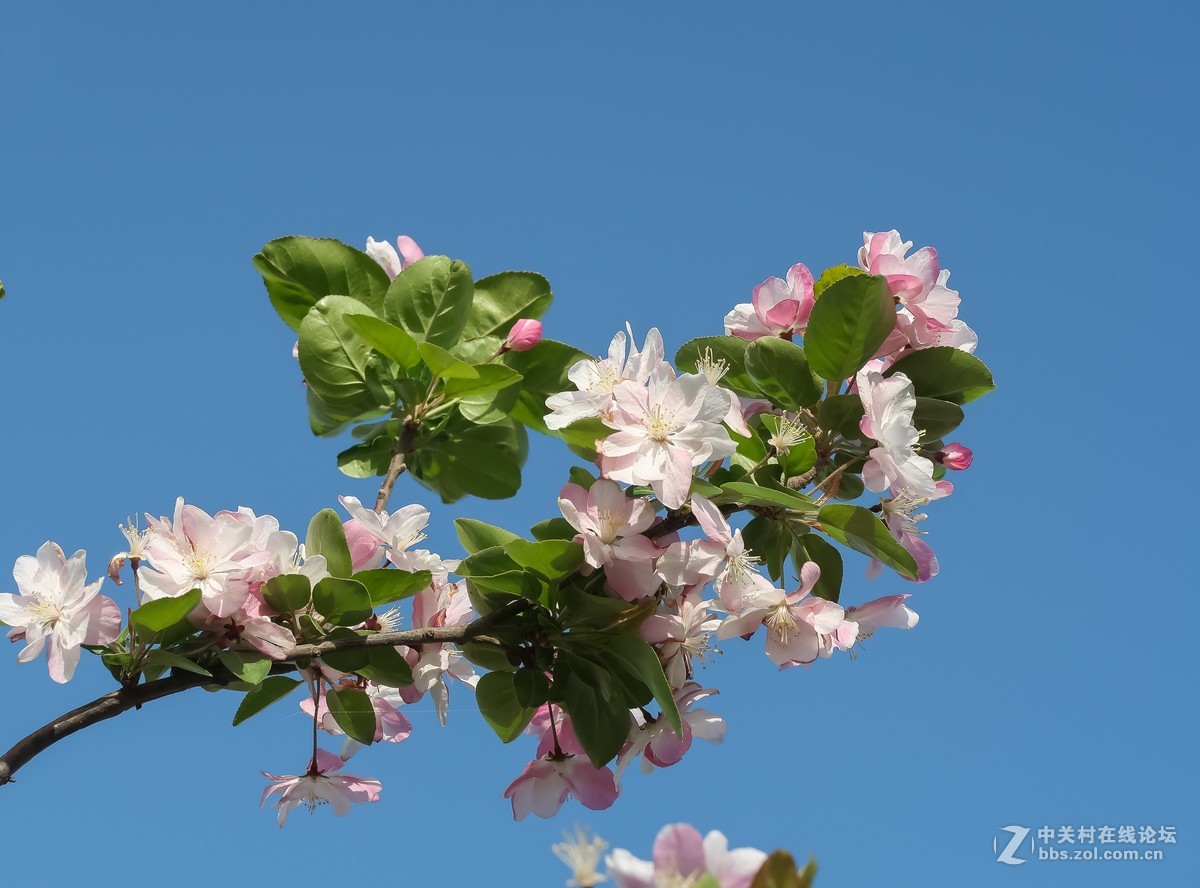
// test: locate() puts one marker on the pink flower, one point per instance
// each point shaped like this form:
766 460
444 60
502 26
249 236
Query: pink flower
388 258
398 531
246 627
436 606
596 380
887 611
365 550
955 456
524 335
776 308
57 610
681 634
662 431
610 525
916 281
320 785
546 783
796 623
391 725
681 857
888 406
658 744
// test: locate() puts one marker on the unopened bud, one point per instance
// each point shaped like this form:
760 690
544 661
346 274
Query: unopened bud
524 335
955 456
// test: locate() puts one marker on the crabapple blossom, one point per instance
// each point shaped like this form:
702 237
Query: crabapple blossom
524 335
955 456
581 853
365 550
610 529
391 725
438 606
888 406
57 610
682 634
397 532
916 281
662 430
901 517
682 857
546 783
395 259
596 380
656 741
776 307
320 785
890 611
248 625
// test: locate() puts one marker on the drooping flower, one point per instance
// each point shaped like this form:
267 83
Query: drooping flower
391 259
682 858
320 785
524 335
596 380
901 517
546 783
776 307
662 430
57 610
888 406
657 742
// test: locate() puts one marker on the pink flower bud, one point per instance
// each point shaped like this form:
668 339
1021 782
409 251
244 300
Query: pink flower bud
955 456
365 550
524 335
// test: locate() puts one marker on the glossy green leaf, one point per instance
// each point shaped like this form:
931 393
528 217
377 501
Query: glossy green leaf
779 871
340 601
335 361
757 495
640 659
443 364
431 299
771 541
287 592
386 666
464 458
164 613
391 341
170 660
324 420
832 275
935 419
848 325
545 367
713 350
531 688
488 379
476 535
300 271
601 723
503 299
250 668
862 531
353 712
841 414
498 704
949 374
386 585
553 529
490 657
270 691
552 559
370 459
780 371
327 537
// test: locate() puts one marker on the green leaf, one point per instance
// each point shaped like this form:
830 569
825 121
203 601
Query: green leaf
531 688
300 271
503 299
393 342
169 660
327 537
270 691
164 613
779 871
340 601
349 659
848 325
464 458
353 712
946 373
771 541
498 704
250 668
287 592
490 657
583 610
336 361
553 559
545 368
935 419
859 529
710 349
444 365
780 370
324 420
832 276
431 299
756 495
812 547
369 459
841 414
600 722
489 378
387 666
386 585
640 659
476 535
553 529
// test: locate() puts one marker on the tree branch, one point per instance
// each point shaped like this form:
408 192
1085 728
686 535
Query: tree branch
679 520
400 452
112 705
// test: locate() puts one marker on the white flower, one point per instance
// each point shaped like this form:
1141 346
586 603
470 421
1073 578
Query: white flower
888 406
596 380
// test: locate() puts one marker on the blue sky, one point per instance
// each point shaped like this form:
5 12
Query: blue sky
655 162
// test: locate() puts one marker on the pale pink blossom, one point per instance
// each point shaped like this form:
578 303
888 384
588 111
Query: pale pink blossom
398 531
681 633
901 517
795 622
738 574
776 307
916 281
57 610
546 783
391 725
955 456
438 606
682 858
524 335
657 742
395 259
888 406
889 611
198 551
662 431
365 550
610 524
320 785
596 380
912 333
248 626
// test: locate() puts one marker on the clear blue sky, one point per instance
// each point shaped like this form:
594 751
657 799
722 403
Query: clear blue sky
655 161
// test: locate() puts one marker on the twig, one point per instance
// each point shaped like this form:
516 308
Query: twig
400 452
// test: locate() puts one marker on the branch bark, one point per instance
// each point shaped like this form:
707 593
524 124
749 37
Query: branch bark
400 452
114 704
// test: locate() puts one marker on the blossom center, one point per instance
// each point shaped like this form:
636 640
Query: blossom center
658 427
201 564
47 613
781 622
